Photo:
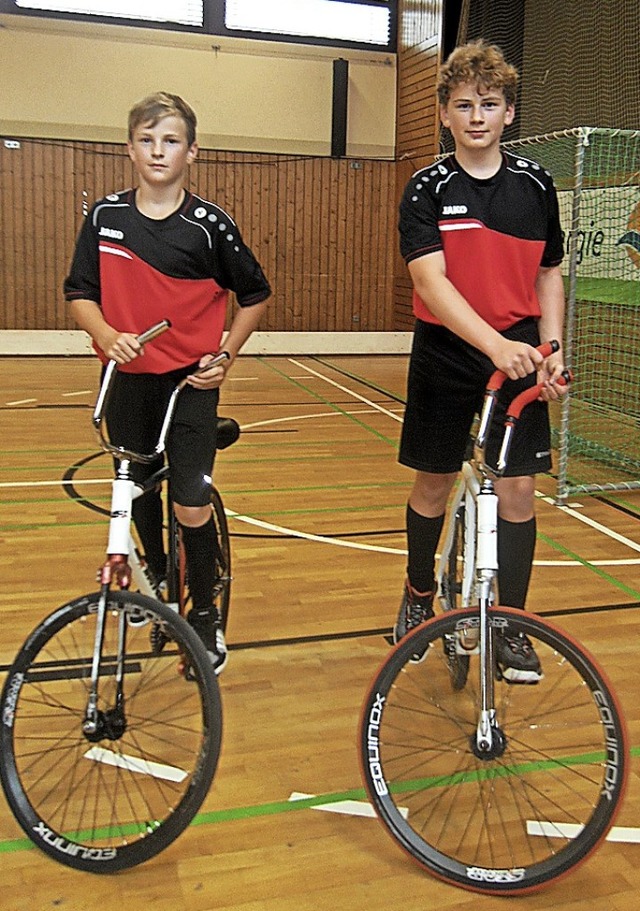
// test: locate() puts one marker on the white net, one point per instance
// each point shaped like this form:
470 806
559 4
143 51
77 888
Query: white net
579 60
597 173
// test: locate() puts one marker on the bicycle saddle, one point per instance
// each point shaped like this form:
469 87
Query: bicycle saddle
228 432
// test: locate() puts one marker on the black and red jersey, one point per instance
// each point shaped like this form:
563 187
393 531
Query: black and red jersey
494 233
140 270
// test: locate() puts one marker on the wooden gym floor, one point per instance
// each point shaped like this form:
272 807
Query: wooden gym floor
317 501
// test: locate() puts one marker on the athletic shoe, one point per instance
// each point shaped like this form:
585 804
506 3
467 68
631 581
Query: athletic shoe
516 659
415 608
159 587
208 626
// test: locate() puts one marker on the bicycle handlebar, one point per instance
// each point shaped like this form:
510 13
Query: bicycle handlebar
498 377
494 384
530 395
105 388
154 331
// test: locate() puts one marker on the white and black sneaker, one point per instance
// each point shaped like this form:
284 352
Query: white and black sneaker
415 608
516 659
208 626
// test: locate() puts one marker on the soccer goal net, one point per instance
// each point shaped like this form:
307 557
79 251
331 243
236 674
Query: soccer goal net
597 173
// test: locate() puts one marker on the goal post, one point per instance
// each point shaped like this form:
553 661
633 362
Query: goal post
597 173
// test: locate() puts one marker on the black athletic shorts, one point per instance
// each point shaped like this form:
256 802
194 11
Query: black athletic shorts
134 414
445 388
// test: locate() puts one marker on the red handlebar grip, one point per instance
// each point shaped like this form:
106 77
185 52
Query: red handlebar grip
530 395
498 377
548 348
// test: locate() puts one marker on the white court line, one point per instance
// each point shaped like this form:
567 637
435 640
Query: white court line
22 402
80 392
132 764
350 392
345 807
593 524
627 834
566 509
322 539
301 417
339 542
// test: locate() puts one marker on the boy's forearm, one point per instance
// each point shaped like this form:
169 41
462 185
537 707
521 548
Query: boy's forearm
245 322
551 297
88 316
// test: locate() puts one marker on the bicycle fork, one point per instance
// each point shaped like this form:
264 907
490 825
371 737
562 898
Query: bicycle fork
488 740
111 723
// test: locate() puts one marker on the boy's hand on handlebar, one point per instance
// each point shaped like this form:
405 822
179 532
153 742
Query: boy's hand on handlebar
549 373
208 378
516 359
121 347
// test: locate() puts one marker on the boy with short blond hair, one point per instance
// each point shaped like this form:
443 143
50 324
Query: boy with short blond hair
149 253
480 233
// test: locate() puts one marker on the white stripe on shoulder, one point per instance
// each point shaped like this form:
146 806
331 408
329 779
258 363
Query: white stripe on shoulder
523 173
202 227
112 251
459 226
443 183
108 205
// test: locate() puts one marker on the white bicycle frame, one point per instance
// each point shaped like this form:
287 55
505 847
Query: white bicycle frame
466 494
122 563
480 556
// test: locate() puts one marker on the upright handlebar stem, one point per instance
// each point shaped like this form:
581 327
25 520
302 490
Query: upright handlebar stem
494 385
105 389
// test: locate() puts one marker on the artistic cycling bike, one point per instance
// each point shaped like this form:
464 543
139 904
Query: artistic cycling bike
495 786
111 717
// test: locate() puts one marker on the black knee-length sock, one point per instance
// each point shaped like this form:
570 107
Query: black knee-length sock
423 534
516 544
200 545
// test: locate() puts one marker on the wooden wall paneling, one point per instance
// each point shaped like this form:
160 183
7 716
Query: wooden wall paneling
341 245
268 251
20 176
8 186
303 205
347 245
333 198
318 226
417 133
320 239
38 305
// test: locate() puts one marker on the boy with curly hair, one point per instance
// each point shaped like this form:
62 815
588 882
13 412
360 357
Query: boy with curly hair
480 233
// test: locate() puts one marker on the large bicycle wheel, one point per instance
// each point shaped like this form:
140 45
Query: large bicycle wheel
179 578
116 798
533 809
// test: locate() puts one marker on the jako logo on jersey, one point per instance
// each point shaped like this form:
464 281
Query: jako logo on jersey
454 210
111 232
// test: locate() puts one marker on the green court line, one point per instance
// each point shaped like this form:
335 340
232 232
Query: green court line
632 592
328 403
54 523
277 807
359 378
305 488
